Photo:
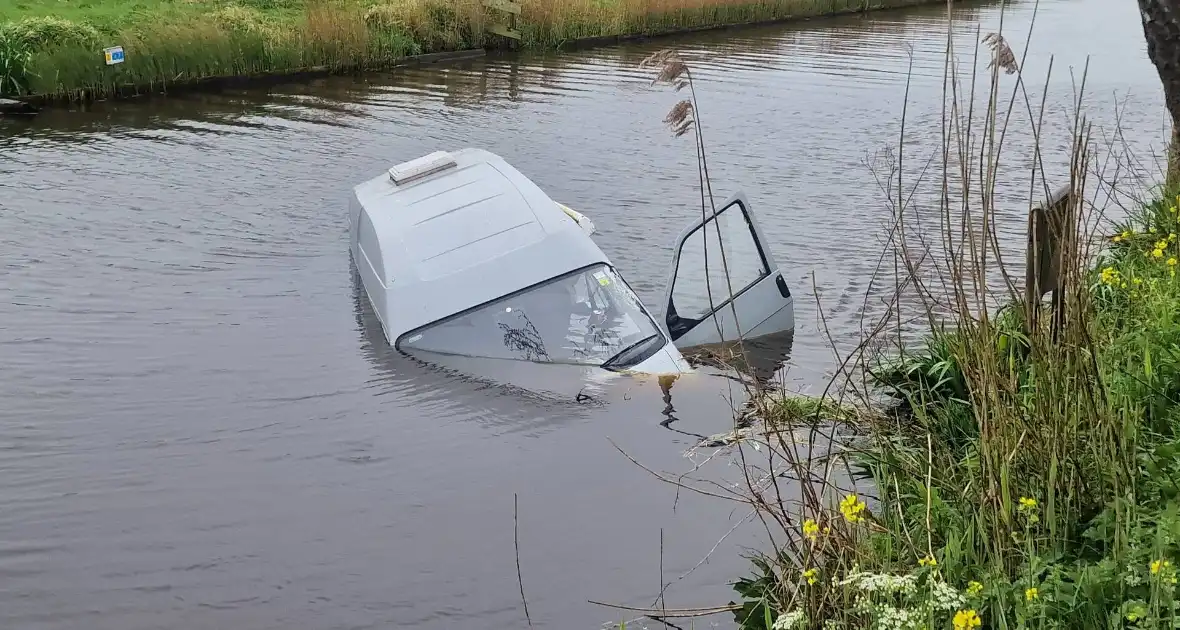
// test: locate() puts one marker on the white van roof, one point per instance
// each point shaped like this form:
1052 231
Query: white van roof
454 236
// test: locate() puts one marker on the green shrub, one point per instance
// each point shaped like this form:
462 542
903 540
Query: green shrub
21 40
15 58
44 32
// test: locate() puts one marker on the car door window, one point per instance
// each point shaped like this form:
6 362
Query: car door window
701 269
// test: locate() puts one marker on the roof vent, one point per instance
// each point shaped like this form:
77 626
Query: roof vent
421 167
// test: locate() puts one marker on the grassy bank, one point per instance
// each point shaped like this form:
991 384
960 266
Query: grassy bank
1028 475
1022 481
54 47
1025 471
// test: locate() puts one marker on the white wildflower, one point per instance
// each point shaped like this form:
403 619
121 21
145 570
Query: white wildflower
890 618
945 597
790 620
881 583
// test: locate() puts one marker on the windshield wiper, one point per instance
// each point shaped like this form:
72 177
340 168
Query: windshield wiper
633 354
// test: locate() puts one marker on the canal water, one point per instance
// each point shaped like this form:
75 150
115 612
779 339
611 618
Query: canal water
201 427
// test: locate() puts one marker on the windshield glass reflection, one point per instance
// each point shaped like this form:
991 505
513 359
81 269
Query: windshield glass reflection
586 318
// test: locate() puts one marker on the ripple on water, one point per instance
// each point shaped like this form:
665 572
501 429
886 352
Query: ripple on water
202 427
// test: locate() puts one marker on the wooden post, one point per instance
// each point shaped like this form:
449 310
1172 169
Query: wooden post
1048 247
510 11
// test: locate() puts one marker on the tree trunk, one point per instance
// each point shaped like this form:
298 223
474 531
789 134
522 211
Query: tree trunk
1161 28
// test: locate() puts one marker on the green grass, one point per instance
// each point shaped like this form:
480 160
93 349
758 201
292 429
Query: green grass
49 50
1045 470
1021 462
112 15
54 48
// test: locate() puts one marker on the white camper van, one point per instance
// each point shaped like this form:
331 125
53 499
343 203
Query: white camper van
459 253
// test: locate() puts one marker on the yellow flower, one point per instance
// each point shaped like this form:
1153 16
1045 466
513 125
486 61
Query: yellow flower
1127 234
1172 261
1031 594
928 561
1151 230
852 508
1172 209
1109 276
811 575
967 619
1161 244
1138 281
1159 565
974 588
1027 503
810 529
1157 253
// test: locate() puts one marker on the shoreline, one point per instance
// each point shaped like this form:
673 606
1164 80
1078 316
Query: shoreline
34 103
30 104
610 40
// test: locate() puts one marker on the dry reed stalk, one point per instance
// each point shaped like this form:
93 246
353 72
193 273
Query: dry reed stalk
556 21
339 38
1036 441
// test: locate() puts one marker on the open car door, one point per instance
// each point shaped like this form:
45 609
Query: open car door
702 305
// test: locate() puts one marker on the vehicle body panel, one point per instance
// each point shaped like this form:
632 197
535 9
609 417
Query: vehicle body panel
744 294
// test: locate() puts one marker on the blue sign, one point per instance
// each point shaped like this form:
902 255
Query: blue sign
113 55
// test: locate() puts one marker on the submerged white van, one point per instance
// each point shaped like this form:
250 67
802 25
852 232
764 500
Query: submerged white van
461 254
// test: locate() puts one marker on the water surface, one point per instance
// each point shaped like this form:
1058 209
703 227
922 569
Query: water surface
201 427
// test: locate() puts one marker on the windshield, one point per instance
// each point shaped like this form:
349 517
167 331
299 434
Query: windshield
589 317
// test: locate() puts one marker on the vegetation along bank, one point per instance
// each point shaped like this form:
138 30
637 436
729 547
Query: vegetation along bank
55 48
1028 479
1027 474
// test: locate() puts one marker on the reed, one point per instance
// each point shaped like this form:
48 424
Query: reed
52 50
1025 474
230 42
554 22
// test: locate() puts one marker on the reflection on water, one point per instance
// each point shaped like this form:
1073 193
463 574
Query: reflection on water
759 359
202 428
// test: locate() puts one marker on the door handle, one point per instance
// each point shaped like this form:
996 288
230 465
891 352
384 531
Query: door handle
782 286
